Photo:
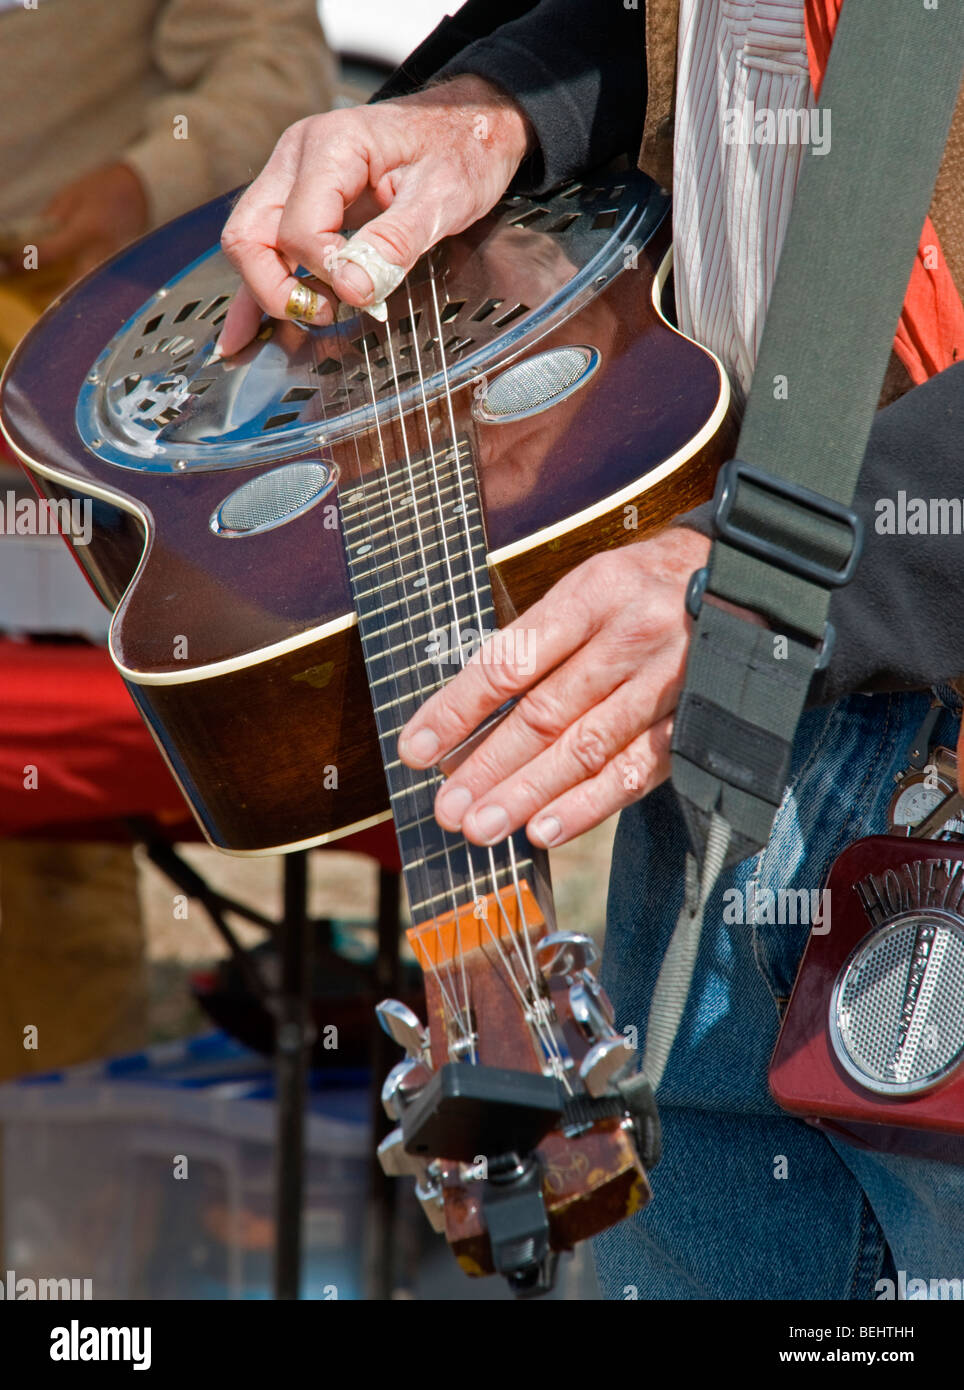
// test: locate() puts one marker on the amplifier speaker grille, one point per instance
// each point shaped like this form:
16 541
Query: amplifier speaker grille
897 1019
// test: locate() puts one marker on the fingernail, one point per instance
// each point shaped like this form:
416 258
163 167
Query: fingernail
355 279
546 831
453 802
419 748
491 824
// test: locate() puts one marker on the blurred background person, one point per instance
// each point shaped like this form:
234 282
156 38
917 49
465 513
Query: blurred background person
117 116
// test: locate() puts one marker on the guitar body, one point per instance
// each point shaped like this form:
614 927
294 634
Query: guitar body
241 650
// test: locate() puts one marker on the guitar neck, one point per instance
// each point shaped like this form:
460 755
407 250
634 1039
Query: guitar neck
416 552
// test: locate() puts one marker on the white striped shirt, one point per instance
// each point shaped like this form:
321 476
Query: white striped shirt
731 201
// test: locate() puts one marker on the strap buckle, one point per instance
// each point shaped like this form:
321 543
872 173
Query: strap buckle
727 485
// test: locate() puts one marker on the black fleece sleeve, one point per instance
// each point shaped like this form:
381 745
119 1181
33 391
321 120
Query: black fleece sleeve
578 70
900 622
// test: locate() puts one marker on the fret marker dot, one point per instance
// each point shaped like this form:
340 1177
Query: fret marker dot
420 583
363 549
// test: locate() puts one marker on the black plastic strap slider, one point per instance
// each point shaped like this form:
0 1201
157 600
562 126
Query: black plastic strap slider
726 502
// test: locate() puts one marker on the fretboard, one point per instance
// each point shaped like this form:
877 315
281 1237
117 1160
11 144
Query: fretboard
415 543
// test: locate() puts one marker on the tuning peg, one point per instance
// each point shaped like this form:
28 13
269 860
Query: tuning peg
603 1061
405 1027
565 953
429 1194
402 1084
591 1008
396 1163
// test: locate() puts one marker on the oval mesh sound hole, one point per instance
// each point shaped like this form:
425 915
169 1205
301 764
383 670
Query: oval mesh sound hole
272 498
891 1037
541 379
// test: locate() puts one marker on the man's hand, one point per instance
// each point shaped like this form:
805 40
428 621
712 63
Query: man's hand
96 215
591 731
408 172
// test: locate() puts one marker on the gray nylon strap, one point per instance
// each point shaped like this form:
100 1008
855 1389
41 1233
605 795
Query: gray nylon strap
889 93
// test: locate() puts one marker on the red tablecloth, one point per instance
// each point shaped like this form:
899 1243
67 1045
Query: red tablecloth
76 760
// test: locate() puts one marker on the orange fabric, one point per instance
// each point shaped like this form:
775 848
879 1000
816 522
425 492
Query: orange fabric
930 334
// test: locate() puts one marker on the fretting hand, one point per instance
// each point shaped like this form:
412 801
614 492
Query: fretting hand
591 731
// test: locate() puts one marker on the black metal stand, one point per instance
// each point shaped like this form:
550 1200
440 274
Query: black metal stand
380 1226
295 1036
294 934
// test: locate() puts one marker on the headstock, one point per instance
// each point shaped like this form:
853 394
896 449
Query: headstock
514 1113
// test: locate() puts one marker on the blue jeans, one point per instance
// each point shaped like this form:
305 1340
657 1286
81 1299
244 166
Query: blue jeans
747 1201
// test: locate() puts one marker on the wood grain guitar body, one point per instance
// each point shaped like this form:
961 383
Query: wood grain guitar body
241 650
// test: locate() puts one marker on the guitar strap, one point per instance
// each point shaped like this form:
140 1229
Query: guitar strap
786 532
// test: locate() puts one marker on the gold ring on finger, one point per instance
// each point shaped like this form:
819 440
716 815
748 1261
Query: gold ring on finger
303 303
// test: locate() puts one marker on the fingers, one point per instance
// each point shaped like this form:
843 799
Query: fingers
512 660
241 323
631 775
294 212
486 809
561 710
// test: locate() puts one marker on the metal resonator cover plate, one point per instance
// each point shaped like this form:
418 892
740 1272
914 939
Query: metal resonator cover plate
155 399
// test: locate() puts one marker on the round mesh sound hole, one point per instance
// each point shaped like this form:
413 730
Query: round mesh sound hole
272 498
899 1004
528 386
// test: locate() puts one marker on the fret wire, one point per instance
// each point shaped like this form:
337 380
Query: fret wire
421 469
381 508
407 598
418 635
399 671
400 622
382 504
392 548
383 513
353 532
420 904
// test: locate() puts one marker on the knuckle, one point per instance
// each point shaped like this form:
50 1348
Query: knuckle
398 240
529 792
587 746
499 679
233 240
541 713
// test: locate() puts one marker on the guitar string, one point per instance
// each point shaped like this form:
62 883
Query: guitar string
529 967
541 1027
341 336
455 617
465 1025
464 512
413 324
